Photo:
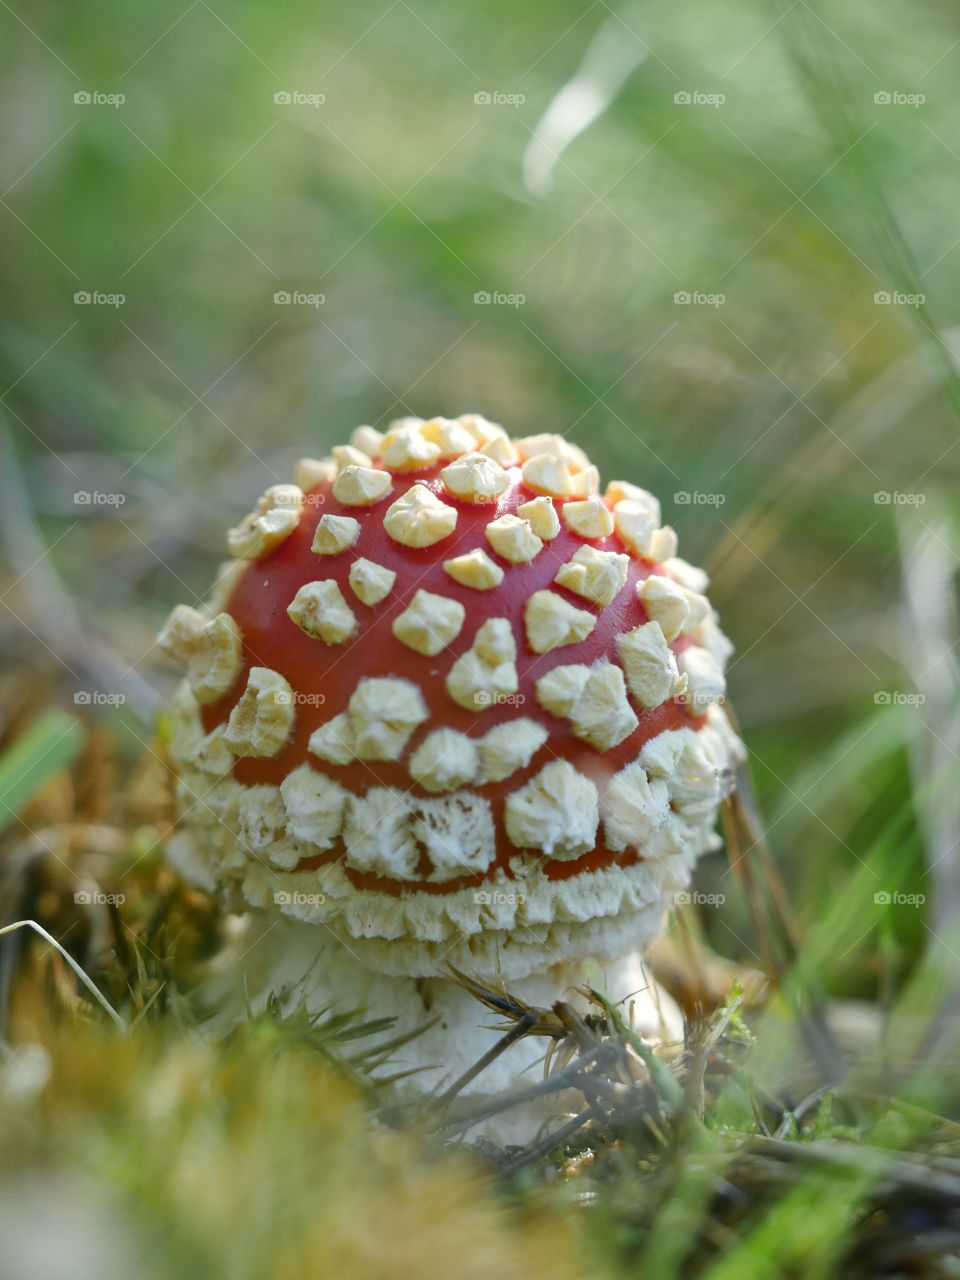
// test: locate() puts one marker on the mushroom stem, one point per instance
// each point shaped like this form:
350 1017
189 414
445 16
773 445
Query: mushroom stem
517 1032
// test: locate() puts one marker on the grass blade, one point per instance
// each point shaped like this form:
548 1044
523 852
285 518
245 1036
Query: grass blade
50 745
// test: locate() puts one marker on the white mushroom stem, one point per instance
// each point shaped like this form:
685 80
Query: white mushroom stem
288 958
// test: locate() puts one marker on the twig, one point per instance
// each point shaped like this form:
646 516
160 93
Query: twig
547 1144
557 1083
896 1170
515 1033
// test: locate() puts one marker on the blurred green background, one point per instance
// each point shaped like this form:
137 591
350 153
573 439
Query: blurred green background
586 167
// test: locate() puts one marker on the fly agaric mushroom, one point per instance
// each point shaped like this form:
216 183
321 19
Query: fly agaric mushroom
454 707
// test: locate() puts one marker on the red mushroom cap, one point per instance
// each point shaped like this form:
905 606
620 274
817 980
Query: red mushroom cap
449 668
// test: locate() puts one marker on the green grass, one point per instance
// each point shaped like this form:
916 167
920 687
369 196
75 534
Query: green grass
51 745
